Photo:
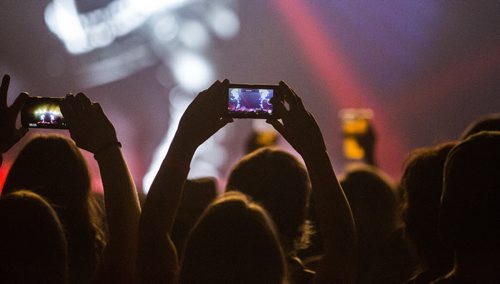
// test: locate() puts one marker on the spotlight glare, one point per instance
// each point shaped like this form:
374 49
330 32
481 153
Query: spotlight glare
192 71
224 22
193 34
166 29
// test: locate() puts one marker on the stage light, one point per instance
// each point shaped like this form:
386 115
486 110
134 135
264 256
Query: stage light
126 36
84 32
192 71
60 18
224 22
193 35
166 29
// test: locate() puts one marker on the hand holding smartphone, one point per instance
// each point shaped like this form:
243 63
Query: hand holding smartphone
251 101
43 112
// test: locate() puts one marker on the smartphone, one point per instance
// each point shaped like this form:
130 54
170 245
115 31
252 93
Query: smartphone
43 112
355 124
251 101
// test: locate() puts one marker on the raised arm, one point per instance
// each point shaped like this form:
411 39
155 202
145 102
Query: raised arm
9 133
157 257
92 131
334 215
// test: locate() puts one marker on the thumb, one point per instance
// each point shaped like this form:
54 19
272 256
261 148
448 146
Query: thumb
23 130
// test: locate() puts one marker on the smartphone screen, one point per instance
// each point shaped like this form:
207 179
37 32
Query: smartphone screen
355 123
250 101
43 112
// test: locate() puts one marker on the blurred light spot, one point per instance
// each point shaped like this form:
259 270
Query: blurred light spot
61 18
192 71
166 29
163 77
118 67
193 34
82 33
224 22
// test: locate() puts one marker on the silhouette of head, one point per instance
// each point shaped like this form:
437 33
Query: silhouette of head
490 122
234 241
372 198
279 182
470 214
196 196
53 167
422 183
32 243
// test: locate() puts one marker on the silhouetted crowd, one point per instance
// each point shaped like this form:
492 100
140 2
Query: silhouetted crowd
279 220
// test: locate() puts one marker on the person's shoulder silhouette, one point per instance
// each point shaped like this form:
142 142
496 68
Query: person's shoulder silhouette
32 242
470 214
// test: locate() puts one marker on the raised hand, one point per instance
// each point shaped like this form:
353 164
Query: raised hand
298 126
9 133
88 125
334 216
204 116
92 131
157 257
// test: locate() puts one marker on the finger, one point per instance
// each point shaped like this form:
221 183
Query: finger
98 112
78 104
278 107
3 91
295 101
221 96
68 101
215 98
83 100
22 131
97 107
68 110
291 97
69 97
285 90
18 103
214 86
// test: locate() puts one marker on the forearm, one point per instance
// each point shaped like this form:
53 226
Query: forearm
157 257
122 212
165 193
334 217
120 195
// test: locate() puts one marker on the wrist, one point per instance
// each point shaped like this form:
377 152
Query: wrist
316 157
106 147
